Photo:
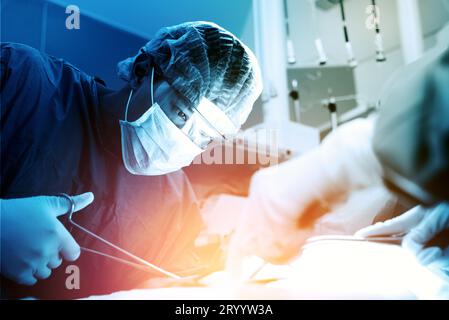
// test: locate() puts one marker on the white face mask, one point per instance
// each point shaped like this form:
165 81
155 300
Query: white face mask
153 145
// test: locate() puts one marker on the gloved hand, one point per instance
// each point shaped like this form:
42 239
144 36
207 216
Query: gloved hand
285 201
421 225
32 238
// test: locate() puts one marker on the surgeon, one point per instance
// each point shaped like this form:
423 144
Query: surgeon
64 132
405 148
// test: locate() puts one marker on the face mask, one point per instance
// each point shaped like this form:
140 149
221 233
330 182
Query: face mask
153 145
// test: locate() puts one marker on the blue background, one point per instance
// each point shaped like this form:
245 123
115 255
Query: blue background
111 30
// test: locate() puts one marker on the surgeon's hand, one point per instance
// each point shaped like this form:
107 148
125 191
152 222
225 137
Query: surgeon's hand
422 226
285 201
33 239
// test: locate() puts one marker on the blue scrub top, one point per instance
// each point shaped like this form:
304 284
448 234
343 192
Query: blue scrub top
52 142
48 123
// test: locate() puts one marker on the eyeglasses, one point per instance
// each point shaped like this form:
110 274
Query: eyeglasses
199 127
201 131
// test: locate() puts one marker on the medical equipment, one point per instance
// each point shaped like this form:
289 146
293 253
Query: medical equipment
317 84
291 57
322 54
426 228
392 240
380 52
322 57
351 58
141 263
332 107
294 94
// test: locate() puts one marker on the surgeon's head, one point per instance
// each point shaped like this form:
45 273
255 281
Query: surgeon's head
193 83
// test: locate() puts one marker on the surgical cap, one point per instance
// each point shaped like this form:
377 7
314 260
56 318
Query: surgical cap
412 135
202 60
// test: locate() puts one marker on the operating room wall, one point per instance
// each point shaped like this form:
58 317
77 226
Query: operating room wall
369 75
95 48
146 17
111 30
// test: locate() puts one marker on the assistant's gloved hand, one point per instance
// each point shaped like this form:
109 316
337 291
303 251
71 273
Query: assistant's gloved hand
32 237
285 201
422 225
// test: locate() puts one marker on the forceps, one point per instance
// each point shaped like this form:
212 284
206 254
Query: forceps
391 240
141 263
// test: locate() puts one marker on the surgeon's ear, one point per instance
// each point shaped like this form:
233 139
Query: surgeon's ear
142 66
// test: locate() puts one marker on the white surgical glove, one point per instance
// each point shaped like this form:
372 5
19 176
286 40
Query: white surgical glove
286 200
421 225
32 237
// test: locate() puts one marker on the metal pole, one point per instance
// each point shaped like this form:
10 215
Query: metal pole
411 30
272 40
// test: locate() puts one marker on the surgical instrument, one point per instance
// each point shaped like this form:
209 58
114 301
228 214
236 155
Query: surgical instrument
391 240
143 264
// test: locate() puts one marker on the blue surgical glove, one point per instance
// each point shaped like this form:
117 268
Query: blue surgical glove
421 225
33 239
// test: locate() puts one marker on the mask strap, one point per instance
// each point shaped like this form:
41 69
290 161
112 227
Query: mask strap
152 87
132 92
127 104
